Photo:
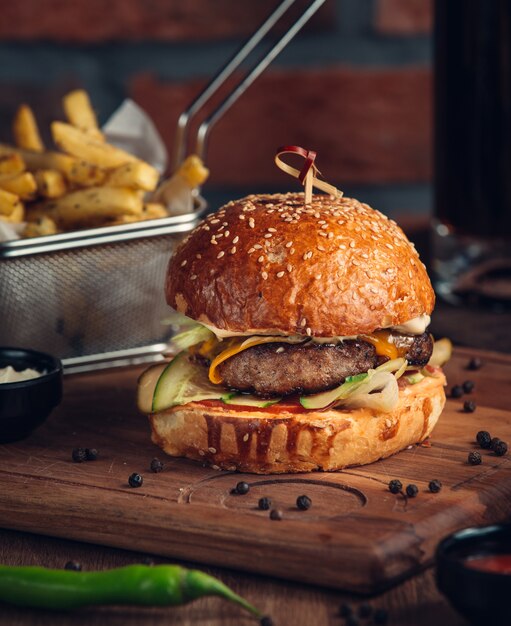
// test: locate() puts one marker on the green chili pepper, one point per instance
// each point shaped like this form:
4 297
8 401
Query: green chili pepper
160 585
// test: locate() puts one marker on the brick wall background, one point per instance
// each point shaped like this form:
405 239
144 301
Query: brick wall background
355 85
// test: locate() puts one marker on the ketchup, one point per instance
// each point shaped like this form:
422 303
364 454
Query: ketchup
494 563
289 406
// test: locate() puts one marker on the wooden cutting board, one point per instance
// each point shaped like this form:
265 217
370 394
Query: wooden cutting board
357 535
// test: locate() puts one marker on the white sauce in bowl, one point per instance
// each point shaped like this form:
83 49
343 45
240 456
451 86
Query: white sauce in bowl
10 375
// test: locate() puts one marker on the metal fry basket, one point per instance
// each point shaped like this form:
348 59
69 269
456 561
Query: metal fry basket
96 298
93 298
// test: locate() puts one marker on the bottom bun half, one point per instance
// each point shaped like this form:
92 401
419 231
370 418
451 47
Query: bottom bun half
264 442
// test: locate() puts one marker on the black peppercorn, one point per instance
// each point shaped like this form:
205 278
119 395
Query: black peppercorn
500 448
380 616
73 565
276 514
494 442
457 391
242 488
264 504
345 610
303 503
395 486
435 486
474 458
91 454
79 455
365 610
135 480
469 406
483 438
156 466
475 364
412 491
468 386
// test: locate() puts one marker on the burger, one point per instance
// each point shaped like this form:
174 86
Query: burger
304 342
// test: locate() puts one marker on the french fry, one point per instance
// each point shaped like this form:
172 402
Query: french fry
42 227
77 171
11 164
79 112
23 185
25 131
9 202
79 144
17 216
50 183
154 210
135 175
94 204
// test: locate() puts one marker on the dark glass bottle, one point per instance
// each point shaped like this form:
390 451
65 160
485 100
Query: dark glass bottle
472 231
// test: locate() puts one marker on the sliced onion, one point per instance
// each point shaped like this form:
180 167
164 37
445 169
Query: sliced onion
379 391
442 352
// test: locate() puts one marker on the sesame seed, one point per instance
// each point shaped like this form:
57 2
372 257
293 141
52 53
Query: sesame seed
365 256
352 244
342 247
289 244
410 273
389 246
412 261
292 251
261 259
305 257
215 221
184 263
251 250
258 246
236 239
289 268
320 248
280 274
241 217
233 250
317 215
272 230
227 233
193 276
225 223
324 226
214 241
268 235
321 222
199 256
355 262
264 275
303 322
279 350
330 235
322 233
308 331
318 277
220 254
206 227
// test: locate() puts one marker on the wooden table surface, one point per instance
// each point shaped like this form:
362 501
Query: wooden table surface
414 602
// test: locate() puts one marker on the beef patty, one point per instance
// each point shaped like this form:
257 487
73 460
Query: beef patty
281 369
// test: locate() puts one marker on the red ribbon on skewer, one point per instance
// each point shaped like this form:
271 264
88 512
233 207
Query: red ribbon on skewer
308 174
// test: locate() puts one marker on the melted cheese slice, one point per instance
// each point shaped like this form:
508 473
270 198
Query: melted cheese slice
379 339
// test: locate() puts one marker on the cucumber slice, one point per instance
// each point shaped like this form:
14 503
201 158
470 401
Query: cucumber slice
325 398
249 400
146 386
182 382
413 379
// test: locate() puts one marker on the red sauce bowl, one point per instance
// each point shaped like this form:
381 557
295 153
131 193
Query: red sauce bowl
474 572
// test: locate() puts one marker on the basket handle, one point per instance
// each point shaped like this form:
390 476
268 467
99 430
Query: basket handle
227 70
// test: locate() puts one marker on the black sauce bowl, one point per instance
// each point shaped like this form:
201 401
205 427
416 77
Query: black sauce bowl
482 597
25 405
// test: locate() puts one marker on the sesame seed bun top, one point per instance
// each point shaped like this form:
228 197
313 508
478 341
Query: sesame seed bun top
267 264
